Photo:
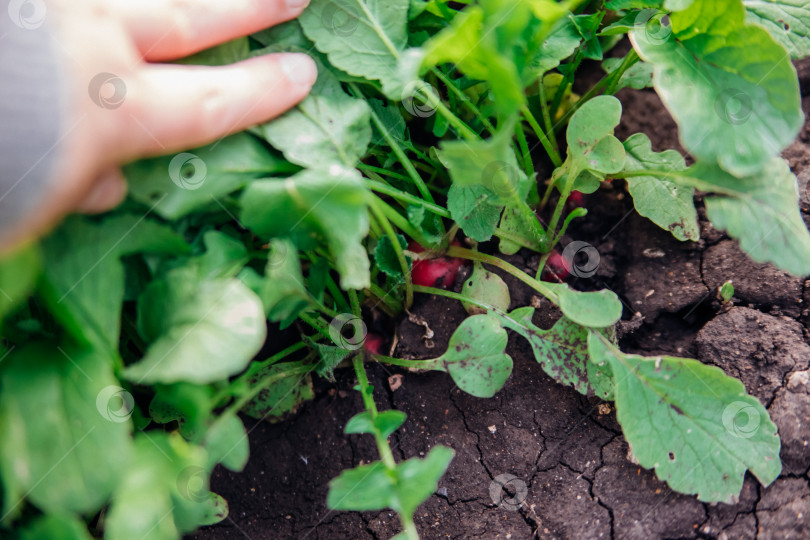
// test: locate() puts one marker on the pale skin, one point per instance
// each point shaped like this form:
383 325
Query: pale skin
166 108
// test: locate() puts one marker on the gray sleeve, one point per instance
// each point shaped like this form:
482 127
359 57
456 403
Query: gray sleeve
31 109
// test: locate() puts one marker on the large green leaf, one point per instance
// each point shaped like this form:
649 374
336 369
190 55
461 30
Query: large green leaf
691 422
760 211
474 208
55 527
64 429
164 493
201 331
19 272
743 79
328 128
84 278
592 309
490 163
283 291
176 185
475 356
591 144
562 351
560 44
667 204
788 21
280 396
373 487
313 206
366 38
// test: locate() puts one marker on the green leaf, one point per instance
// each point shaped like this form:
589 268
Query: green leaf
667 204
692 423
366 38
392 120
84 279
190 405
560 44
328 128
373 487
639 75
592 309
711 56
283 292
224 256
587 26
489 163
55 527
176 185
64 429
475 210
313 206
227 443
487 288
761 211
788 22
164 492
591 144
475 356
289 389
19 272
562 351
386 257
228 53
330 357
386 422
201 331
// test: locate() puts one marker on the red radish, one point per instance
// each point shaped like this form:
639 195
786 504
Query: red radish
438 272
373 343
576 199
555 268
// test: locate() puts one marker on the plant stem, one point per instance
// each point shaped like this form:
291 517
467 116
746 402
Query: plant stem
374 204
544 140
564 193
526 156
455 251
464 99
316 324
627 62
407 197
368 400
401 156
384 297
549 128
424 365
397 219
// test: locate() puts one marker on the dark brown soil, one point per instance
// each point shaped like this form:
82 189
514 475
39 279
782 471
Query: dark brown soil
566 449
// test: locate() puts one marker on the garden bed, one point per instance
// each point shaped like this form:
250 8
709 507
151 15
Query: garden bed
566 448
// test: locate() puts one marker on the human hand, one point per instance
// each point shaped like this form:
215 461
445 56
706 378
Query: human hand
147 108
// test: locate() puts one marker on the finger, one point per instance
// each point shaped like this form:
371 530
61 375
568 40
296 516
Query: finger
169 29
107 192
176 107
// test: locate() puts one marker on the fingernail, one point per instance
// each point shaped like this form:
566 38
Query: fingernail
299 68
296 5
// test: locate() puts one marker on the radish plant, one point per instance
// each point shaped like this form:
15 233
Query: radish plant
132 341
